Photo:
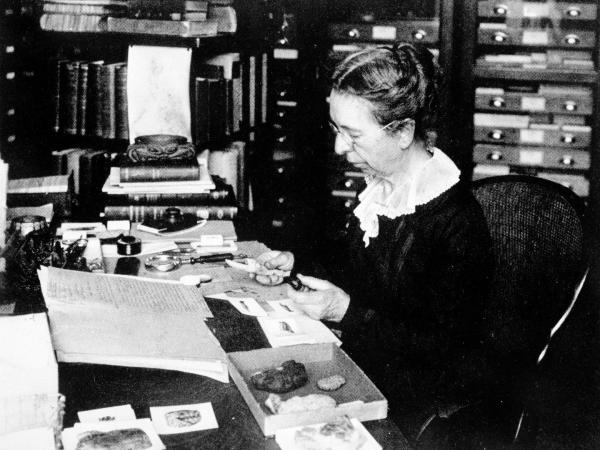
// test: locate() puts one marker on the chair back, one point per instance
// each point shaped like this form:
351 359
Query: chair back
537 234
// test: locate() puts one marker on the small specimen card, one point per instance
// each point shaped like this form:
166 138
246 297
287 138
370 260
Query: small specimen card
123 412
123 434
183 418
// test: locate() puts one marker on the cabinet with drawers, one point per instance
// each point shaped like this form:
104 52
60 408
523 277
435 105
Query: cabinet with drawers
19 102
534 85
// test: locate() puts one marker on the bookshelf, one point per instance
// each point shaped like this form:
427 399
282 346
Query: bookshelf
558 91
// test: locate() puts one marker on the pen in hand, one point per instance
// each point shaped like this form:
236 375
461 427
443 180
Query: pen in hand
295 283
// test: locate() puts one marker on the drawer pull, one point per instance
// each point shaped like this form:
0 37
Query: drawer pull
10 75
348 204
280 170
283 93
354 33
281 200
570 105
9 49
495 156
282 139
500 10
348 184
567 138
572 11
567 160
572 39
12 138
500 36
10 112
498 102
419 35
496 135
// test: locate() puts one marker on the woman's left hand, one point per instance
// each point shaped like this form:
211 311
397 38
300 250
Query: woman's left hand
325 301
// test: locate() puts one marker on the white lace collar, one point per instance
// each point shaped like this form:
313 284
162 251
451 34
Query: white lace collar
396 197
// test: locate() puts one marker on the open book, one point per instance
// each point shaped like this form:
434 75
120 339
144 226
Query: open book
124 321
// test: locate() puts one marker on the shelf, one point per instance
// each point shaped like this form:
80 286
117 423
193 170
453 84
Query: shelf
552 75
220 42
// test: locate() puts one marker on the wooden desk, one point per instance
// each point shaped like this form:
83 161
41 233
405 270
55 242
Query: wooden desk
95 386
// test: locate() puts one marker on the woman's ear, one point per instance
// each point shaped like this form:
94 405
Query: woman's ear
404 131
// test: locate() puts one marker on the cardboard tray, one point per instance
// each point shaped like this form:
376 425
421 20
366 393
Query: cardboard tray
358 398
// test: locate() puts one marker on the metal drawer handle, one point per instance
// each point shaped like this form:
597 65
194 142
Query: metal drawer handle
348 183
498 102
281 200
282 139
500 9
12 138
496 135
348 204
572 11
280 170
419 35
572 39
570 105
567 160
495 156
354 33
567 138
500 36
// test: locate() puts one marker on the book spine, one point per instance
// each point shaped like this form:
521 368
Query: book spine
121 119
82 92
107 94
70 22
139 213
71 97
155 173
217 107
94 120
216 197
57 85
202 112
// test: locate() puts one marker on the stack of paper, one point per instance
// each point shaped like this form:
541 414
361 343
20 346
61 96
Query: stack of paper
30 406
118 320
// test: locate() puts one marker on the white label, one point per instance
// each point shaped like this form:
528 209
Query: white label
10 49
537 9
535 37
531 157
529 136
383 33
533 103
285 53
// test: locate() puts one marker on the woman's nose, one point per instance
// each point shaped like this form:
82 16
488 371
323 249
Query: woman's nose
341 146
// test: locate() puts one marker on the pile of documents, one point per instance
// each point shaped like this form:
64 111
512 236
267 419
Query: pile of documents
124 321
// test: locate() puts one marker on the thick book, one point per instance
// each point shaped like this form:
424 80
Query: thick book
82 91
213 197
230 62
139 213
169 170
112 319
38 191
93 170
201 111
225 16
108 100
58 81
83 8
69 95
70 22
94 99
121 119
184 28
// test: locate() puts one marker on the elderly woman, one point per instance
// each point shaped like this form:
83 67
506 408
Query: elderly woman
408 297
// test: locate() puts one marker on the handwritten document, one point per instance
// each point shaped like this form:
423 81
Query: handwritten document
120 292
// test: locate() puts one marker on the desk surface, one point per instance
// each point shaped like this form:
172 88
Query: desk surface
95 386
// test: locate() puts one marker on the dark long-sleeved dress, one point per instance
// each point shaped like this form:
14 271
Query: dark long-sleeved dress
417 293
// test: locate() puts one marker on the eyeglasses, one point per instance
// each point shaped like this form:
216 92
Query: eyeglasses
349 140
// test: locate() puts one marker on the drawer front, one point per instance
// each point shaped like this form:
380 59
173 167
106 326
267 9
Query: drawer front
554 10
571 138
577 183
425 31
558 104
552 158
537 37
347 181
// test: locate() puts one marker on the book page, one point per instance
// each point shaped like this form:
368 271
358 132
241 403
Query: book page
61 286
158 91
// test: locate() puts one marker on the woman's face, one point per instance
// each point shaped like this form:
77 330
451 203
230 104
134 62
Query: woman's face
362 140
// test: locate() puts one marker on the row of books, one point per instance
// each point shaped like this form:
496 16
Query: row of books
194 18
90 98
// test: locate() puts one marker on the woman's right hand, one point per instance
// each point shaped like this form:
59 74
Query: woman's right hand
274 259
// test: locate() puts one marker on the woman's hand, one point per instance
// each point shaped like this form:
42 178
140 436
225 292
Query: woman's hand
325 301
274 259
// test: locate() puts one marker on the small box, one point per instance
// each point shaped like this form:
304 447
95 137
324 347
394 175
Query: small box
358 398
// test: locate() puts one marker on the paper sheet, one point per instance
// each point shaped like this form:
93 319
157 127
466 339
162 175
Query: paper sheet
158 95
140 431
183 418
38 438
61 286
